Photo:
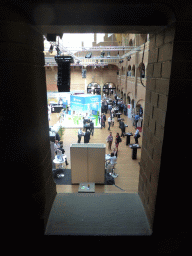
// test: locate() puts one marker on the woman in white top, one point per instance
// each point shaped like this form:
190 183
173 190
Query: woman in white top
109 122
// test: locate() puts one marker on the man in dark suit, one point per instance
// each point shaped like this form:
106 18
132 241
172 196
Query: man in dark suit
91 127
104 120
122 127
87 136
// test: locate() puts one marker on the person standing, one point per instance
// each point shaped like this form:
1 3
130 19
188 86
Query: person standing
87 136
109 122
136 120
117 141
80 133
122 127
110 140
104 120
137 136
91 127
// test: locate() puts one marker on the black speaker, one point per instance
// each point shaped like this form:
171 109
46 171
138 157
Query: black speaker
63 77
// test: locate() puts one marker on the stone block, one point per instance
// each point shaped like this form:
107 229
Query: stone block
144 154
162 86
152 124
166 69
153 54
163 102
159 39
148 96
154 170
150 70
146 119
148 109
150 85
154 98
159 115
165 52
150 149
157 144
159 132
157 70
151 42
144 142
157 159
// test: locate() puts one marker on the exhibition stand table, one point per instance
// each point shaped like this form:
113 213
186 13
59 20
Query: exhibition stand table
118 115
134 150
128 135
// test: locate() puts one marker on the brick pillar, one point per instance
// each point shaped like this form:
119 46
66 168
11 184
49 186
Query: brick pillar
173 185
157 88
24 124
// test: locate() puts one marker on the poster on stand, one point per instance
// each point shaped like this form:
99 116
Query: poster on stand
129 110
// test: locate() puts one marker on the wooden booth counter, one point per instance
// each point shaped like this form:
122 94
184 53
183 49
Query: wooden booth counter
87 162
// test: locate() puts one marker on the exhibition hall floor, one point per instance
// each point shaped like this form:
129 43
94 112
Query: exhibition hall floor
126 167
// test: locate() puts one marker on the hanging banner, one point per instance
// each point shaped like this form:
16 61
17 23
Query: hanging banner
85 103
129 110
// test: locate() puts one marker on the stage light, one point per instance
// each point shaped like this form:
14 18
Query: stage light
88 55
108 55
102 54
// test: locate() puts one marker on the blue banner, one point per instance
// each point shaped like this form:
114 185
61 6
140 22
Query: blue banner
85 103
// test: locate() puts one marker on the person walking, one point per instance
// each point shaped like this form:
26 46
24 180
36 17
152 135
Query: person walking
117 141
109 122
110 140
104 120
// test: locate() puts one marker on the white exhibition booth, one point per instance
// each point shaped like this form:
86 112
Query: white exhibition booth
73 106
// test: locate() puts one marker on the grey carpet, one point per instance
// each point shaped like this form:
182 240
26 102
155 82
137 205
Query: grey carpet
97 214
66 180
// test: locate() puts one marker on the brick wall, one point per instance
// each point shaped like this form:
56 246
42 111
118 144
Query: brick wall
158 78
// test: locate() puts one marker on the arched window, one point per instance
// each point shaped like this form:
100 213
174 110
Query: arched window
129 71
130 42
109 88
94 88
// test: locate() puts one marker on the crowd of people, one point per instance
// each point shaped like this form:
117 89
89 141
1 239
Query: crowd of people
86 132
